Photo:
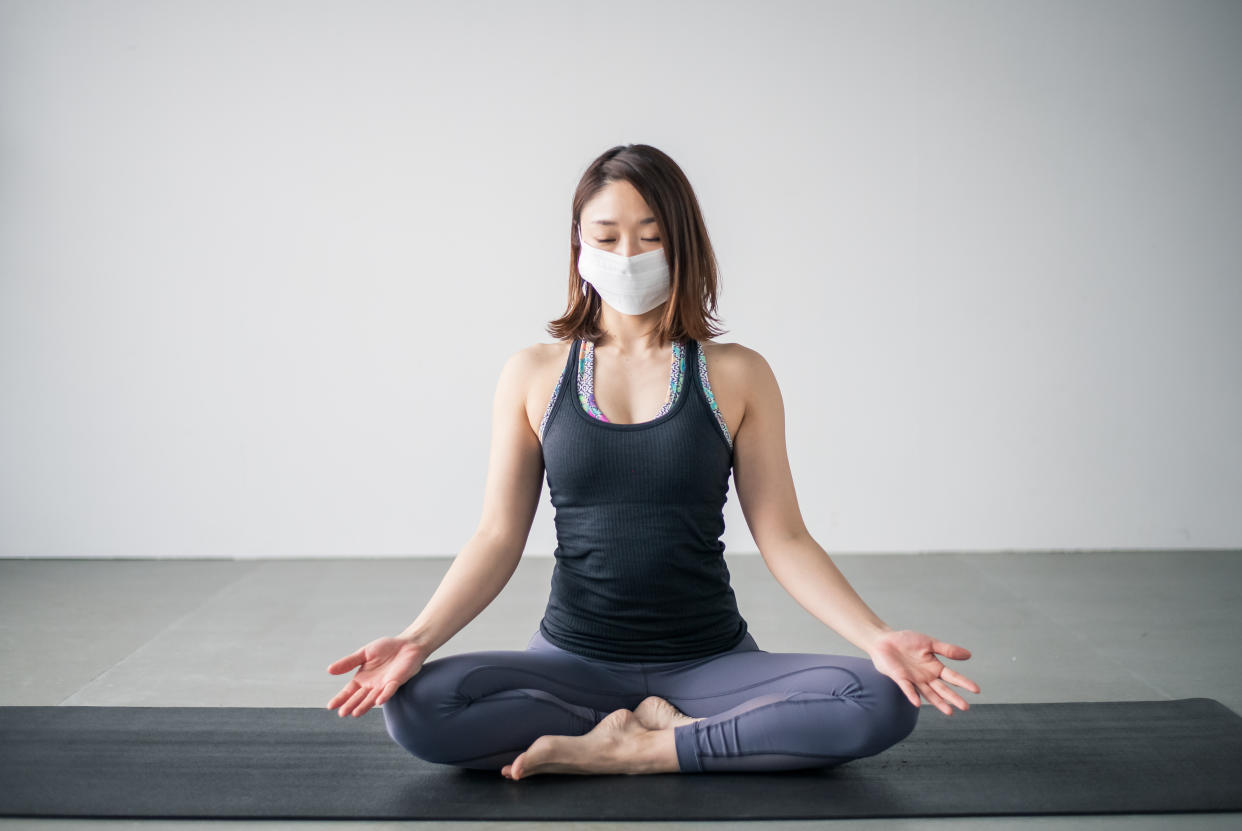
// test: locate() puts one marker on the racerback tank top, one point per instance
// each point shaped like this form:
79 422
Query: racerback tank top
640 572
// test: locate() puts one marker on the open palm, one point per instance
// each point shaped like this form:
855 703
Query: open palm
385 664
909 658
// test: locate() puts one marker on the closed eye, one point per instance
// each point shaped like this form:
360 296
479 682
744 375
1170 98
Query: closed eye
644 239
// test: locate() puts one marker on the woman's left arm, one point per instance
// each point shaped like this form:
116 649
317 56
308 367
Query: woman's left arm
764 484
811 577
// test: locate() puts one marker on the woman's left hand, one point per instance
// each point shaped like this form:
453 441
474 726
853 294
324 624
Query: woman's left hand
909 658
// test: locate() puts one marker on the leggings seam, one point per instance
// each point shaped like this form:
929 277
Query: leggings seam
778 753
646 681
698 727
520 749
767 681
777 704
539 675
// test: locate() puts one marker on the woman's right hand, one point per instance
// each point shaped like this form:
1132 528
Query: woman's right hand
384 665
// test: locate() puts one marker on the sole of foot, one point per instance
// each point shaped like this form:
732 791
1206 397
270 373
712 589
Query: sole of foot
657 713
620 743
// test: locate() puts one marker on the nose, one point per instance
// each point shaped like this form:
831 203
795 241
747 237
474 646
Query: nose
628 247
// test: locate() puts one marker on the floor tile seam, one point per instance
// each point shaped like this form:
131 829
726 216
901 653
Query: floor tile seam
1072 631
250 569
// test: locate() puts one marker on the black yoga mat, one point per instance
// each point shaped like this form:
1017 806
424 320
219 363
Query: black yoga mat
308 763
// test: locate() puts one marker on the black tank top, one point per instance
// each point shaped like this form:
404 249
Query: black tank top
640 572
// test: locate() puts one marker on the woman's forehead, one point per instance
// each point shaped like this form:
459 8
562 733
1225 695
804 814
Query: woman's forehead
615 205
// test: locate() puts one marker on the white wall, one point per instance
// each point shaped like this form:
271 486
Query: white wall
261 262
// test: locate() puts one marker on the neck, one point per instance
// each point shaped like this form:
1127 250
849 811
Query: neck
631 334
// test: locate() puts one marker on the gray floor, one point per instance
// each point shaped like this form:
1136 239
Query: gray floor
1042 627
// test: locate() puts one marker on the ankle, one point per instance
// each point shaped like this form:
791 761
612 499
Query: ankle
656 751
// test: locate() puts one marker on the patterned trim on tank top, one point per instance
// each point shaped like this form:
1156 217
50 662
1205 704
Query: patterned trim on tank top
586 379
548 410
586 386
711 399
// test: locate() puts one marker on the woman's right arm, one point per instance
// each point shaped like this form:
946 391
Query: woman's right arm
514 482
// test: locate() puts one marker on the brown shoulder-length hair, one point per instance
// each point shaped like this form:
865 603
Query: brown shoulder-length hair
691 308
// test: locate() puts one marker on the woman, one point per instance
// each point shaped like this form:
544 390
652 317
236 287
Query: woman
642 663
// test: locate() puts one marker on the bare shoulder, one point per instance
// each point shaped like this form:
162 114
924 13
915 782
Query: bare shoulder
737 375
734 355
545 360
528 362
534 371
736 364
745 386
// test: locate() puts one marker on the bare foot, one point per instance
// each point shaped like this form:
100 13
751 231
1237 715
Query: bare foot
659 714
618 744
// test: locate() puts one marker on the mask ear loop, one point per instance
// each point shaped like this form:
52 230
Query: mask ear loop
580 244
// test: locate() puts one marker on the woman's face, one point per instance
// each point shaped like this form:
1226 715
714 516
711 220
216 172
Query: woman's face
618 219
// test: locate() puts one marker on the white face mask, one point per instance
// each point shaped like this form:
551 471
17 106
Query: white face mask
631 285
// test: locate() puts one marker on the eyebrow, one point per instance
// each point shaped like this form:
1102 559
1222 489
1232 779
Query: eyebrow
646 221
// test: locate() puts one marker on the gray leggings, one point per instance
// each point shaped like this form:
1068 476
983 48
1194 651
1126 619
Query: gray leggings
765 710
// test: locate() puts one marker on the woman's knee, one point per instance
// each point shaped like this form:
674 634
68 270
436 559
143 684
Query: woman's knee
417 714
894 717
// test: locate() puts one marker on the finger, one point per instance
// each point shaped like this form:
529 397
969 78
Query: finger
911 693
935 700
948 692
345 693
386 694
367 702
347 663
353 701
955 677
951 650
